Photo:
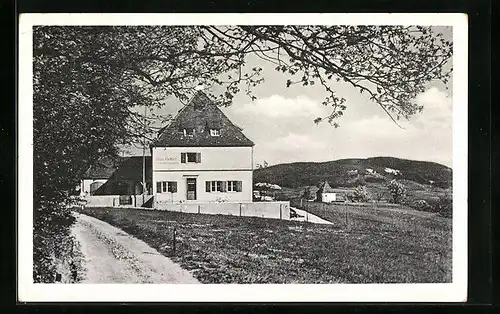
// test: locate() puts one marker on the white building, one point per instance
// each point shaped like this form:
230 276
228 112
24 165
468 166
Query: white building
326 194
201 156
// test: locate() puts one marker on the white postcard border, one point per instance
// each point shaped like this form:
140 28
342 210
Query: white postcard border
438 292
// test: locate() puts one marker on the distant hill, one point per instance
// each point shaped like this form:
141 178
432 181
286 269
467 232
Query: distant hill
352 172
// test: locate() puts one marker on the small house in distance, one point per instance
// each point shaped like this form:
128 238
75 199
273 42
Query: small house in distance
326 193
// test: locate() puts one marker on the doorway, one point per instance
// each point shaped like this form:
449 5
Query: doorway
191 189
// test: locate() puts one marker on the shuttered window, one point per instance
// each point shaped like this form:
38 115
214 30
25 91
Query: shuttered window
166 187
216 186
190 157
234 186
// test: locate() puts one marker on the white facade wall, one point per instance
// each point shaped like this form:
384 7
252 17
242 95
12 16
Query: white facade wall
217 164
212 158
328 197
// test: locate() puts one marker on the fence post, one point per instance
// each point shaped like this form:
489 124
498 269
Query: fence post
281 214
199 208
346 221
173 244
240 209
113 202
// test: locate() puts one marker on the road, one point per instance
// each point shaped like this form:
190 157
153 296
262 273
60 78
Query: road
113 256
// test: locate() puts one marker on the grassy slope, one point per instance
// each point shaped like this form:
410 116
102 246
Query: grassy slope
336 172
226 249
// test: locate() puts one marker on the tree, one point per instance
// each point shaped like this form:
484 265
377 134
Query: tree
398 191
307 193
361 194
91 83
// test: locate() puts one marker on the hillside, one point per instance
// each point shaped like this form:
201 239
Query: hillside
352 172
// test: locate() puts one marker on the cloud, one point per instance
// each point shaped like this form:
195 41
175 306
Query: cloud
277 106
378 128
295 142
283 130
437 112
290 148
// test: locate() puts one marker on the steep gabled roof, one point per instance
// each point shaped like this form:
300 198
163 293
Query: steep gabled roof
120 168
326 188
201 114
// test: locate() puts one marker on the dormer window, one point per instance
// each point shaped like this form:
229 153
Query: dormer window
188 131
215 132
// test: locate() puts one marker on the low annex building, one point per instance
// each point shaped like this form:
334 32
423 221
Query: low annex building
118 176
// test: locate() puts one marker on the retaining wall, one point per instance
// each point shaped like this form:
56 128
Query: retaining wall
277 210
114 200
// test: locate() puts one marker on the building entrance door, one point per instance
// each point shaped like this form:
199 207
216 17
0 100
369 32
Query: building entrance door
191 189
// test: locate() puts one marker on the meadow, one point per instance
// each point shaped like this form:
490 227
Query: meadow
374 246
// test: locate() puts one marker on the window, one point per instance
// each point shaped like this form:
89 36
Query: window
216 186
166 187
190 157
214 132
234 186
189 131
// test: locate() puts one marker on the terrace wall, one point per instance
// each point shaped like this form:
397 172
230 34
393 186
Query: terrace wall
114 200
277 210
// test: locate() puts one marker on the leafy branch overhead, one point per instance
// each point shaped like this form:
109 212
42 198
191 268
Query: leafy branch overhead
392 64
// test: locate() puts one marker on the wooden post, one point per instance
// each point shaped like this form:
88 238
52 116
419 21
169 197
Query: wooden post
281 215
199 208
346 221
173 244
240 209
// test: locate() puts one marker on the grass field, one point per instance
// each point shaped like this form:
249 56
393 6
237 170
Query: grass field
227 249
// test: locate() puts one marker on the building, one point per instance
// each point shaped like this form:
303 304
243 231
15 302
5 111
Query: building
326 193
119 176
201 156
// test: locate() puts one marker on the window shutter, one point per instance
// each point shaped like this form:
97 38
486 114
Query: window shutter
238 186
224 186
158 187
198 157
174 186
165 187
207 186
183 158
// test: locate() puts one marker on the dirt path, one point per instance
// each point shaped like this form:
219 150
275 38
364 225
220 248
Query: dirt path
113 256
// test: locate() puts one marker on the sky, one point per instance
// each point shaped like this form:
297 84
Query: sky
280 123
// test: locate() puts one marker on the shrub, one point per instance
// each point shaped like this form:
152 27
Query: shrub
398 191
421 205
360 195
307 193
444 206
379 196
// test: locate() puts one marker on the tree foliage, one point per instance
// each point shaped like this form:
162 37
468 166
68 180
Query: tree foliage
361 194
398 191
92 83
